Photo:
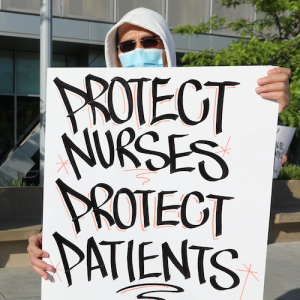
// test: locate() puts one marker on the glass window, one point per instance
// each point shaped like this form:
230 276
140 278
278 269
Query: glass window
28 114
28 72
6 71
72 61
6 123
185 12
56 7
59 60
243 11
29 6
96 58
89 9
268 31
124 6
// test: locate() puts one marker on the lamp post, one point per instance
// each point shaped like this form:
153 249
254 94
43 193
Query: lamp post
45 62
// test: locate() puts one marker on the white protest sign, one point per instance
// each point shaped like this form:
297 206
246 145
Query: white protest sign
283 140
157 183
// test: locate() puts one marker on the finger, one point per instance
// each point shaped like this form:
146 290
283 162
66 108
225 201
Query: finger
41 272
35 239
35 261
280 70
280 97
273 87
282 77
34 246
36 251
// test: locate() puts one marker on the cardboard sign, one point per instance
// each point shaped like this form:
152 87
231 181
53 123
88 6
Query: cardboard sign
158 183
283 140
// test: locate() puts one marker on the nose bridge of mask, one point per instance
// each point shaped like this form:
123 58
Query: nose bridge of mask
141 57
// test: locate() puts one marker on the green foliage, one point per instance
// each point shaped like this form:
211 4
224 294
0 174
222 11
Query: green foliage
289 172
278 20
20 182
281 15
255 52
274 39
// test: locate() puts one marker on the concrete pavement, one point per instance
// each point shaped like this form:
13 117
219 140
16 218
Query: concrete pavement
282 281
282 277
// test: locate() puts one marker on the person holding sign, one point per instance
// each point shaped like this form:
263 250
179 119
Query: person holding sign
142 39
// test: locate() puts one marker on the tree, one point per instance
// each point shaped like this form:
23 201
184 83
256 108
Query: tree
272 40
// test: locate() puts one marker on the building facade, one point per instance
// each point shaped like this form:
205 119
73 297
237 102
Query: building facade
79 30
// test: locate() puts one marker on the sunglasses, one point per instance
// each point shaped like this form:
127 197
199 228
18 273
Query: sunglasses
147 42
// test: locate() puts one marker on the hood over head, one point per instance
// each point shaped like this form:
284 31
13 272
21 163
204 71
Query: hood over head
147 19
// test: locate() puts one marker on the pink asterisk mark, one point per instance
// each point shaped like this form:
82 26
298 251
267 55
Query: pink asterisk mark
55 271
248 272
226 149
63 164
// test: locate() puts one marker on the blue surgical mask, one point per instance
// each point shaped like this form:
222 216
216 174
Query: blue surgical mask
140 57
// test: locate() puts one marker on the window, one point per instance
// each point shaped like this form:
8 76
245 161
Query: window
124 6
72 61
20 87
243 11
6 71
6 124
268 31
59 60
28 114
96 58
187 12
28 72
29 6
101 10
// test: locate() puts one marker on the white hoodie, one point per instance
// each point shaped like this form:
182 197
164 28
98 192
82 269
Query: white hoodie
147 19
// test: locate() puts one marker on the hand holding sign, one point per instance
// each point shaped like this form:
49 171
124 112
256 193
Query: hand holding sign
276 87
